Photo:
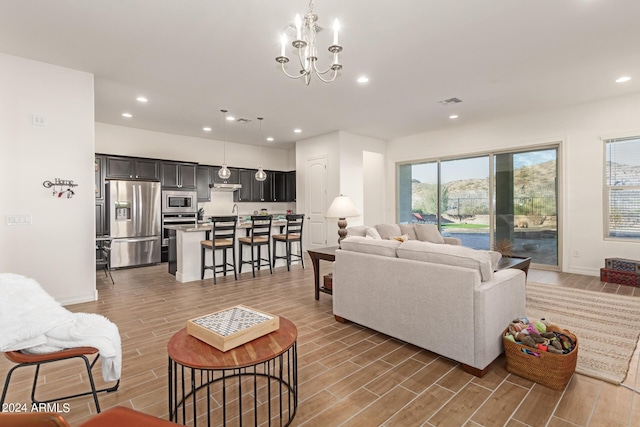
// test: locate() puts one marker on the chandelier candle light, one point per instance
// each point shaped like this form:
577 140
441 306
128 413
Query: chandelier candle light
305 42
261 175
224 172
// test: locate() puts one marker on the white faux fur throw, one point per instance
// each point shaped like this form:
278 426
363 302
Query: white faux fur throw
32 321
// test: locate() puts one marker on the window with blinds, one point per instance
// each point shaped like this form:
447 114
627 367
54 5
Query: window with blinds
622 188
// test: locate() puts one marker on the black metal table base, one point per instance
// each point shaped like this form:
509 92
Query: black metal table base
262 394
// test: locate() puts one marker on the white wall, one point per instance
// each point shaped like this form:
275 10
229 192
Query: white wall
579 128
125 141
352 175
58 248
346 171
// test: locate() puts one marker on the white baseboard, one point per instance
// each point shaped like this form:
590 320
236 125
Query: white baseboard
79 299
585 271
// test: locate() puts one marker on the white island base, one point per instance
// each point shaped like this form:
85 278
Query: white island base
188 240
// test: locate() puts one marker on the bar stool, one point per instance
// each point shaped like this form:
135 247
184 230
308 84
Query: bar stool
293 234
223 237
103 251
259 235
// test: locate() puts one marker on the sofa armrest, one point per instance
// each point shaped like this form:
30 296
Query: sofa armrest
452 241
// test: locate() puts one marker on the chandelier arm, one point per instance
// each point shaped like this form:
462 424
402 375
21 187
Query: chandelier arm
318 72
289 75
335 74
302 61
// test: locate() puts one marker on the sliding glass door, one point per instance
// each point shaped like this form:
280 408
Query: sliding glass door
464 201
526 210
505 200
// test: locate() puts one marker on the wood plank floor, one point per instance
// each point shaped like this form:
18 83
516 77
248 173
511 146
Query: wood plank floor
348 375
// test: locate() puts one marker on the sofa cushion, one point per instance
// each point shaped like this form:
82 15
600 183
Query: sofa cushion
388 230
428 233
372 233
410 230
459 256
370 246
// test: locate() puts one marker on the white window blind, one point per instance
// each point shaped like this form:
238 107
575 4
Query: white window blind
622 188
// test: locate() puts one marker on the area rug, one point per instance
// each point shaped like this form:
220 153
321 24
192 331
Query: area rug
607 326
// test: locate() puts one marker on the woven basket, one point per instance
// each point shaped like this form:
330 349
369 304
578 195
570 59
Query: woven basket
550 370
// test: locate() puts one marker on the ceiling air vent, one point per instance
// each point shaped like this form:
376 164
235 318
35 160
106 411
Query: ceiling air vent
450 101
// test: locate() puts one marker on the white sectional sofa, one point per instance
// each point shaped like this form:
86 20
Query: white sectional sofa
441 297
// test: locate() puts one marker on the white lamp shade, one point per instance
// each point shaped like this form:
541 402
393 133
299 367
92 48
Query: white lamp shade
342 207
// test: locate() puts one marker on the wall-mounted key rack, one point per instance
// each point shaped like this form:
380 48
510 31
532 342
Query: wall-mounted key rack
61 187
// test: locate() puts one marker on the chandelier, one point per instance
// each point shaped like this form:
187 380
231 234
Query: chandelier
305 42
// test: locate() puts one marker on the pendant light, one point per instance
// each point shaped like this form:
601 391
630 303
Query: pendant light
261 175
224 173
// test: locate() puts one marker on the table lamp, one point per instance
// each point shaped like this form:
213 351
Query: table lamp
342 207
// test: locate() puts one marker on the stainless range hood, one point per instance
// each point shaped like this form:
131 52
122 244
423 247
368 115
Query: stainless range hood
219 186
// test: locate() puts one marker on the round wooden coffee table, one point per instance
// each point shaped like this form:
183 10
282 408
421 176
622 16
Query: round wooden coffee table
252 384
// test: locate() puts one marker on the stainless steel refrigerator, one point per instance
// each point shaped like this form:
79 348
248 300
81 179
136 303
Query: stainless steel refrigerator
134 222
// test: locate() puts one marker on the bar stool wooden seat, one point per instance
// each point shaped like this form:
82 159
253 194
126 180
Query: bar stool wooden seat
26 359
222 237
259 236
293 234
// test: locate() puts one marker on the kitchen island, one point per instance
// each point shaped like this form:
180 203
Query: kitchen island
184 248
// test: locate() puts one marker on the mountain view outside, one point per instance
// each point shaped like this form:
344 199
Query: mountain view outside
529 186
623 188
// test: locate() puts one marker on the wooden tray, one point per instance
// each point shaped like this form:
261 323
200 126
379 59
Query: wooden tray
232 327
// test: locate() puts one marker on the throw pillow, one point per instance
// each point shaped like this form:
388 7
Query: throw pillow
372 233
495 259
428 233
357 230
388 230
402 238
410 230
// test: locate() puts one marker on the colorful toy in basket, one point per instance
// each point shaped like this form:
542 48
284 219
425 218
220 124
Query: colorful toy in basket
540 335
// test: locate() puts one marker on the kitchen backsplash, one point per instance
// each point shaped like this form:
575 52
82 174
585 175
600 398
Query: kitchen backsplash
222 203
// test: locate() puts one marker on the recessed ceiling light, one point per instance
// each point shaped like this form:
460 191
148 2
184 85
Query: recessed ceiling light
453 116
363 79
230 118
127 115
141 99
623 79
270 138
297 130
206 129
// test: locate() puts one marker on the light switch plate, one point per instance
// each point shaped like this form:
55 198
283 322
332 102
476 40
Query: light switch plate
39 120
18 219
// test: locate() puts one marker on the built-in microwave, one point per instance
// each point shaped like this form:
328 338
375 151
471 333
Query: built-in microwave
179 201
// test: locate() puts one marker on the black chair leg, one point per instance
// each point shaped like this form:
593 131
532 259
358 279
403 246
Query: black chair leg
241 263
233 254
213 265
253 261
275 253
202 251
269 257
